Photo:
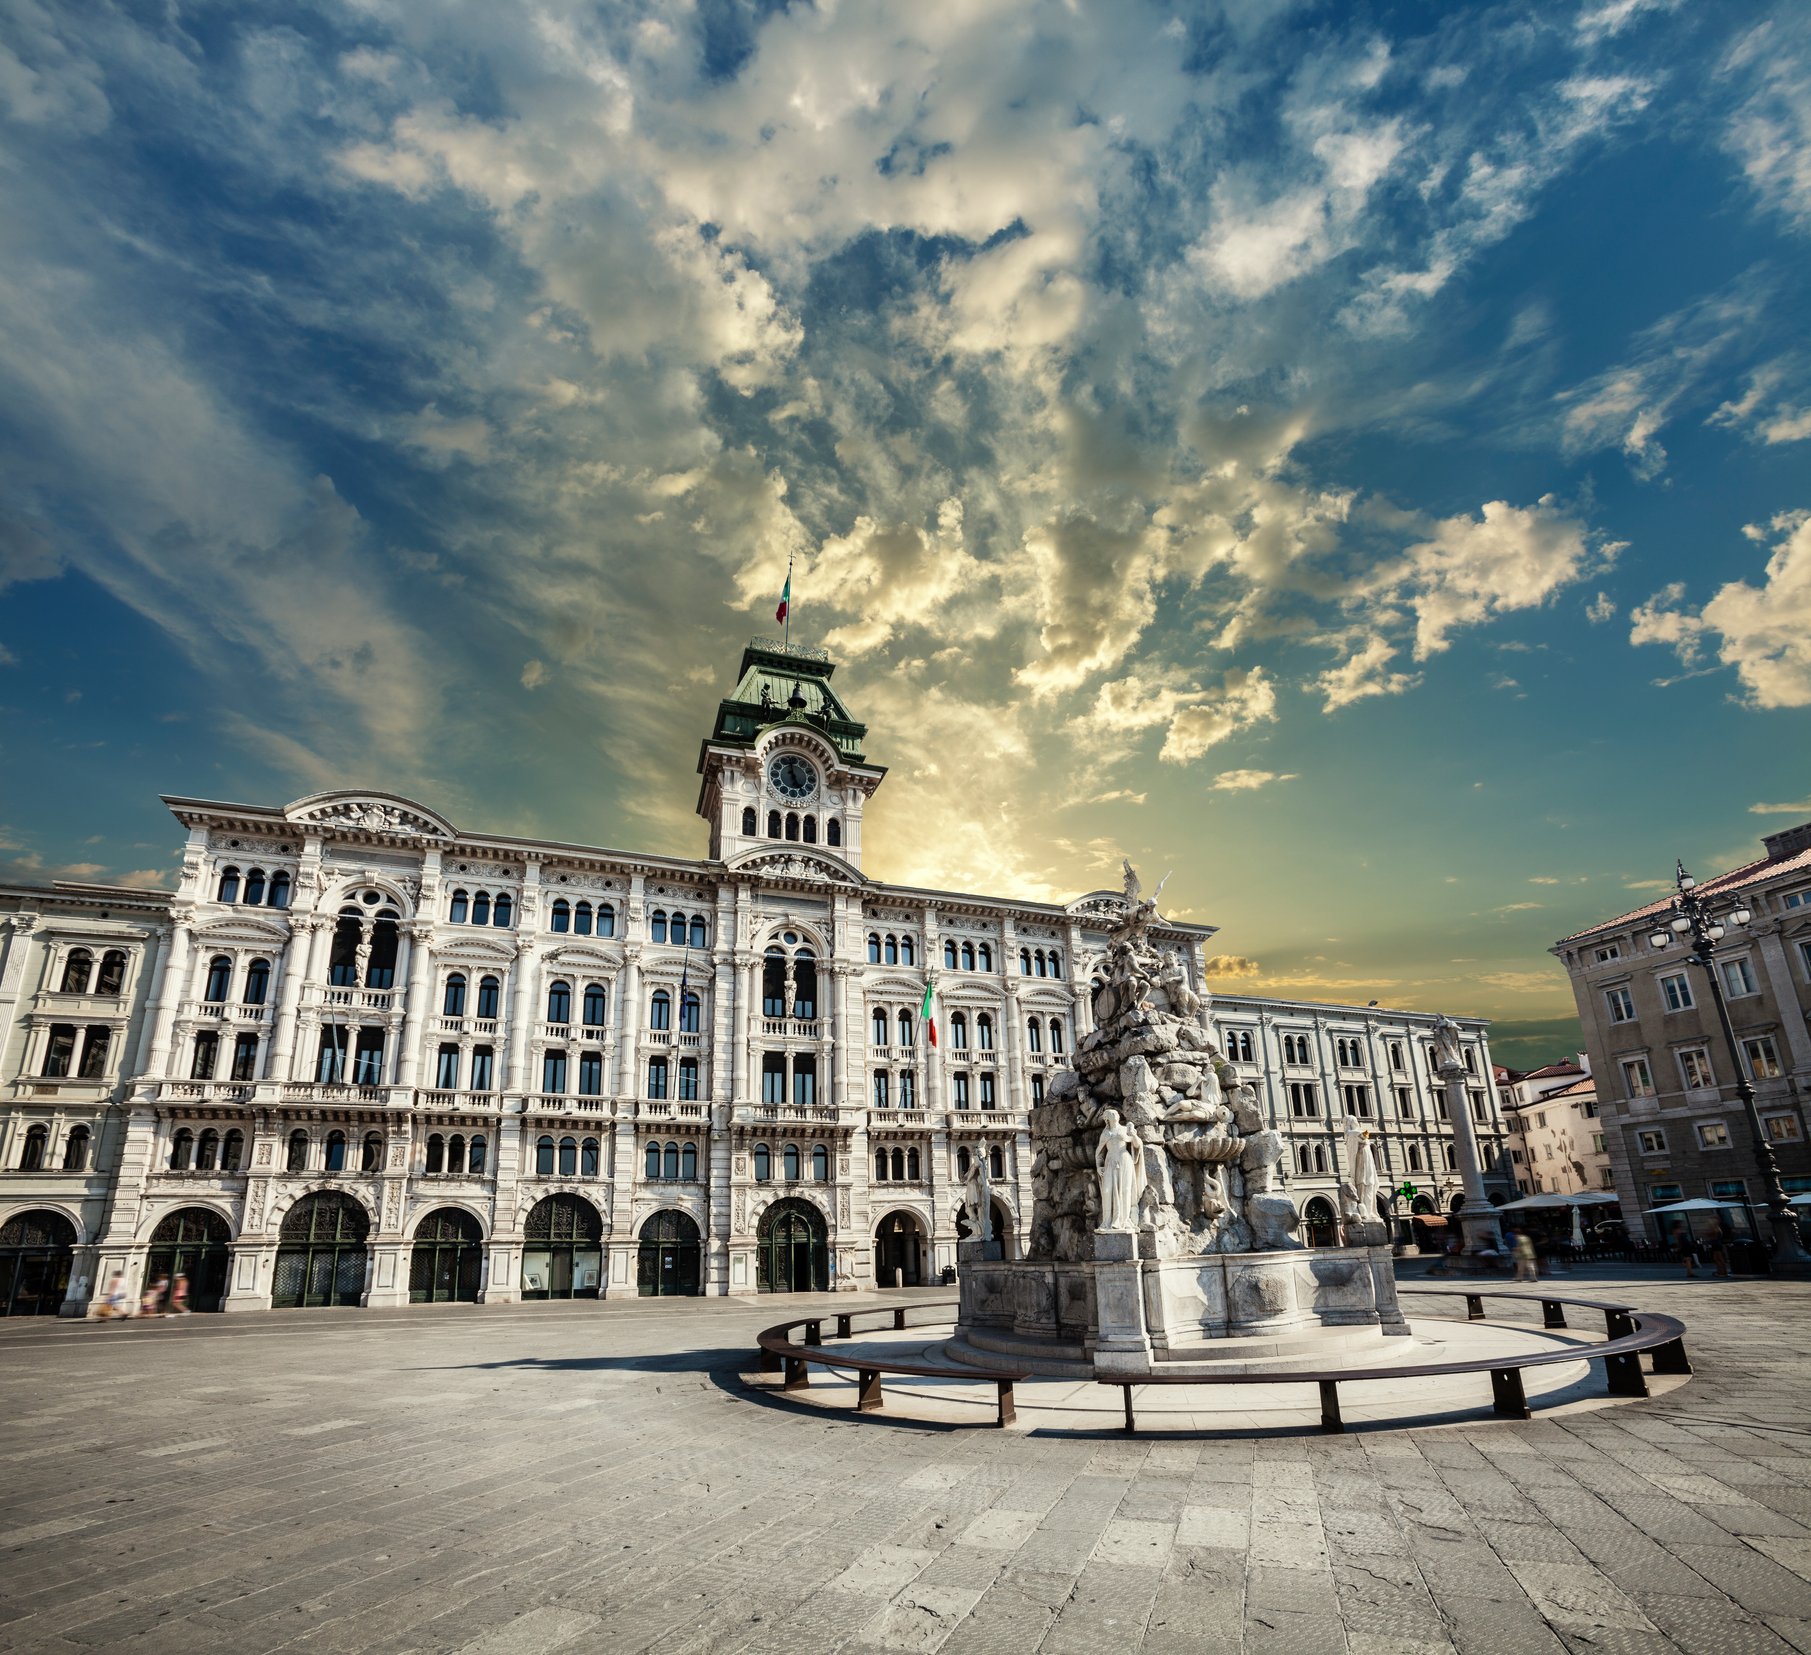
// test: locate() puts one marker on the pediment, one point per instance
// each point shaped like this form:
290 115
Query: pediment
812 866
258 933
370 813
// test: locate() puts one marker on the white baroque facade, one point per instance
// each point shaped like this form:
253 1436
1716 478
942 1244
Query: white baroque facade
360 1056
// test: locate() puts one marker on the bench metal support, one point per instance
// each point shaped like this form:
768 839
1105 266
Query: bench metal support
769 1362
1508 1396
1671 1357
1126 1392
868 1398
1553 1313
899 1318
1474 1307
842 1324
1330 1416
1007 1412
798 1374
814 1332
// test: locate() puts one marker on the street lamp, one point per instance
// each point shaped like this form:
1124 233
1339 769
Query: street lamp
1695 919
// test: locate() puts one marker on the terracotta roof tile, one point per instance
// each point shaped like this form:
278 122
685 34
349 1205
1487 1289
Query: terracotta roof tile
1750 873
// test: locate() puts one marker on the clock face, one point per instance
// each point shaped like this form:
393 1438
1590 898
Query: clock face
792 777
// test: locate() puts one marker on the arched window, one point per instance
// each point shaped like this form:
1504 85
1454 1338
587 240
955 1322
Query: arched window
489 992
606 920
660 1010
77 970
1038 967
207 1150
257 983
581 918
569 1157
959 1030
1024 962
688 1079
820 1163
1304 1163
1452 1161
985 954
481 908
220 979
182 1149
773 824
792 824
949 956
790 1157
588 1158
963 1161
763 1163
1414 1157
688 1163
207 1053
254 887
880 1089
436 1152
336 1151
880 1026
1034 1035
689 1014
699 932
912 1165
453 1005
279 888
773 983
1056 963
455 1153
804 1004
596 1003
475 1155
669 1165
505 909
298 1151
657 925
1056 1034
559 1002
229 885
371 1157
543 1156
560 919
892 949
880 1165
113 973
1320 1158
898 1163
833 832
905 1028
232 1150
459 908
651 1162
873 948
75 1150
996 1161
984 1032
811 830
748 820
907 951
968 956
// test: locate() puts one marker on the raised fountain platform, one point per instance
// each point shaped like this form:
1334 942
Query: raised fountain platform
1219 1312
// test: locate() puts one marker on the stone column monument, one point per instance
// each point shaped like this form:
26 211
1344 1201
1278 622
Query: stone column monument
1477 1218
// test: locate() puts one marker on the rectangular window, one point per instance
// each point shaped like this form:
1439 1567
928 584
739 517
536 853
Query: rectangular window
1783 1129
1597 1144
1588 1108
1399 1063
1660 1194
1713 1135
657 1076
245 1057
368 1058
1738 978
1652 1141
987 1091
1729 1189
1796 899
1804 958
1405 1102
880 1091
1609 951
591 1074
1695 1069
688 1079
553 1072
446 1069
1763 1057
1478 1111
804 1082
1304 1100
1637 1080
908 1090
1037 1090
1357 1099
1676 992
482 1060
1621 1005
959 1090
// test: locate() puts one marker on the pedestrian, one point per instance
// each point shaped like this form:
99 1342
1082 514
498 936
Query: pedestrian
1526 1269
116 1302
1688 1249
1719 1249
179 1296
152 1302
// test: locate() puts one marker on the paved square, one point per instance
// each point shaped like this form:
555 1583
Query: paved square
592 1477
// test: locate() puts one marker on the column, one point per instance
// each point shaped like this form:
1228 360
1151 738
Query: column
172 982
1477 1218
624 1063
156 952
933 1064
297 958
522 991
419 993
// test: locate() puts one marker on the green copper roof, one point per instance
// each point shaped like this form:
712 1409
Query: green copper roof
771 677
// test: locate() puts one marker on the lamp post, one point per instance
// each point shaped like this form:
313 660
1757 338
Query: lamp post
1695 923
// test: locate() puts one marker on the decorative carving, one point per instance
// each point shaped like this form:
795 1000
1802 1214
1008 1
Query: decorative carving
373 816
790 866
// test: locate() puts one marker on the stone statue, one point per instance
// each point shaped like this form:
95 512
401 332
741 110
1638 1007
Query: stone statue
361 954
1119 1165
977 1196
1449 1055
1358 1190
1173 982
1140 916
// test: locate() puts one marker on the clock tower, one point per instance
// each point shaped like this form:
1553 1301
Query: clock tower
783 765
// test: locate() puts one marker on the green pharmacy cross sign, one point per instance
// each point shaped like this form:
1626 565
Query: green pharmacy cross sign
1407 1191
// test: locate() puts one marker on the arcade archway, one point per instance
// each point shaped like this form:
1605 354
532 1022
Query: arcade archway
794 1250
562 1249
899 1251
193 1242
321 1253
36 1250
447 1260
670 1262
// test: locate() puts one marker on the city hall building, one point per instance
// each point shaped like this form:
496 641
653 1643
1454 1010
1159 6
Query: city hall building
361 1056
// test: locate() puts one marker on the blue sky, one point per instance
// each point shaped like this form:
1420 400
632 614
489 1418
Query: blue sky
1355 455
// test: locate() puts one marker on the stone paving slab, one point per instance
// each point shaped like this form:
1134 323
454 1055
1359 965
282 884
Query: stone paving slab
596 1477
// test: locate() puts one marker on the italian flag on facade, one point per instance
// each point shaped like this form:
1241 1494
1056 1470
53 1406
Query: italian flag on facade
785 608
925 1014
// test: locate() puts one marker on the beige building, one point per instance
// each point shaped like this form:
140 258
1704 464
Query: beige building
362 1055
1557 1143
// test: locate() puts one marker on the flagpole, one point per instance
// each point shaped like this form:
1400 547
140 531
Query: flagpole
789 558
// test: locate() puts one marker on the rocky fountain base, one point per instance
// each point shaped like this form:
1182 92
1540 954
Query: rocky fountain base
1162 1240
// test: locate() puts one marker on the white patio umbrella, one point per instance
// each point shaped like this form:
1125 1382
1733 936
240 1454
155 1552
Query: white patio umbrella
1698 1204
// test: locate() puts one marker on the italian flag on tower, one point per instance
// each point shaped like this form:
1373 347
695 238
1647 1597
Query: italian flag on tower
785 608
925 1015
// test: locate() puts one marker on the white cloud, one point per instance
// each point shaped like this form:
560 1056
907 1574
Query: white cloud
1763 632
1770 130
534 674
1762 412
1600 609
1248 781
1801 808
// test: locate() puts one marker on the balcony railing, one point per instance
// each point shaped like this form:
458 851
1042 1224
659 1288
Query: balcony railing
225 1011
669 1109
312 1091
208 1091
792 1028
350 999
793 1112
898 1117
438 1099
484 1028
84 1007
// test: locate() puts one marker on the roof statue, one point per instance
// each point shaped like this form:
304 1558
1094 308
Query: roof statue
1140 915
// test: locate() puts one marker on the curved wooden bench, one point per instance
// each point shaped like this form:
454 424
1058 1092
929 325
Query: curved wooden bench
780 1351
